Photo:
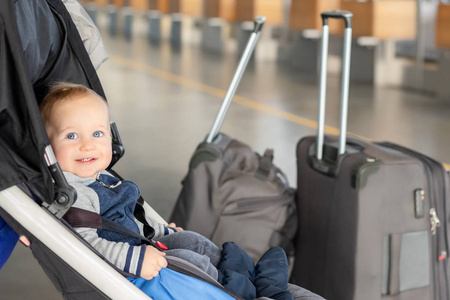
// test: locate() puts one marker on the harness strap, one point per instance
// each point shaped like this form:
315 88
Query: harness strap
77 217
139 213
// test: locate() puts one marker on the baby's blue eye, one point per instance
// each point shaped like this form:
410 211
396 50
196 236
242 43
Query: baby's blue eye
98 134
72 136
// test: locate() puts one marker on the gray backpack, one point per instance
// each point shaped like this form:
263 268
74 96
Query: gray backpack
233 194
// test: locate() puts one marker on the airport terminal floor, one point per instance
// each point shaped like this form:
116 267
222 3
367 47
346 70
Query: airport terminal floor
164 99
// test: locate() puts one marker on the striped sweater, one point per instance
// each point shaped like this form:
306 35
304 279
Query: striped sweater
114 200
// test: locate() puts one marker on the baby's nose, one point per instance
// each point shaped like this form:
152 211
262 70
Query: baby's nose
87 144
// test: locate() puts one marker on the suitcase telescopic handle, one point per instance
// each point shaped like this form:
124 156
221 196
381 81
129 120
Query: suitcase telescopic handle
347 17
258 24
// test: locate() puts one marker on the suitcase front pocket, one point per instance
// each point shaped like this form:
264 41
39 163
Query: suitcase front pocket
406 262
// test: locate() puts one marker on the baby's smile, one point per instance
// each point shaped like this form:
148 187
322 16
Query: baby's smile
87 160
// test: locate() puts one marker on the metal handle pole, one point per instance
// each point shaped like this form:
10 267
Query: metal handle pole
322 91
259 21
345 89
347 17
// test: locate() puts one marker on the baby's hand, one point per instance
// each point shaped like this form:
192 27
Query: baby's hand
173 225
154 261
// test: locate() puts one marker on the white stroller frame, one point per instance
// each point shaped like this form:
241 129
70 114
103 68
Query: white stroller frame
72 251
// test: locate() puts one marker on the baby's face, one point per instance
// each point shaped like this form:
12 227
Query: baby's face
80 136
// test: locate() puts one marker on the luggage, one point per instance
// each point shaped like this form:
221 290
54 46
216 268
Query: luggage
232 193
372 216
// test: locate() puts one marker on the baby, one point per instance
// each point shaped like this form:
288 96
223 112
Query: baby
78 125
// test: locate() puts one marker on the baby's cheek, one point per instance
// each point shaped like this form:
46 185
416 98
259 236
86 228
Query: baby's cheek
63 157
108 153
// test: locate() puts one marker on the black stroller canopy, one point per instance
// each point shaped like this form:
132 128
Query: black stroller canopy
39 45
36 48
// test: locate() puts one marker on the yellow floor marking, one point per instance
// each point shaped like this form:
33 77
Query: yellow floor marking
221 94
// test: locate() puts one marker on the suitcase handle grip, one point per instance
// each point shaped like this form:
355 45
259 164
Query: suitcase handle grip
337 14
259 22
347 17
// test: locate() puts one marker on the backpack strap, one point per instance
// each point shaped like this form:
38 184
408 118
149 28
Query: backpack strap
265 164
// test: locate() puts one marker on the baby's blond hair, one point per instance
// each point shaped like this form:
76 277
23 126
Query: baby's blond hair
59 93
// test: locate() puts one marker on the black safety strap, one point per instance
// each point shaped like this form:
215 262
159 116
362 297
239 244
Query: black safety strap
139 214
77 217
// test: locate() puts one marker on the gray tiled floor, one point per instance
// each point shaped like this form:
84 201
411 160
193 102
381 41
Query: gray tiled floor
164 100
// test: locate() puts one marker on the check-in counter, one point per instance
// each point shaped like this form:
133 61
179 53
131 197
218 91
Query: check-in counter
377 26
443 43
301 51
443 26
164 6
244 10
192 8
383 19
247 10
188 7
235 18
224 9
305 14
215 15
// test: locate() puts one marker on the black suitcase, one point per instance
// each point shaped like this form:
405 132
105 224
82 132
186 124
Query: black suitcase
372 216
232 193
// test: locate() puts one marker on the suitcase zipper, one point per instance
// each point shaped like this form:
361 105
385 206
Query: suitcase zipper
435 222
434 219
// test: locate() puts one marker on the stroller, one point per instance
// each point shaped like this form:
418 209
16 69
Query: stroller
34 194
